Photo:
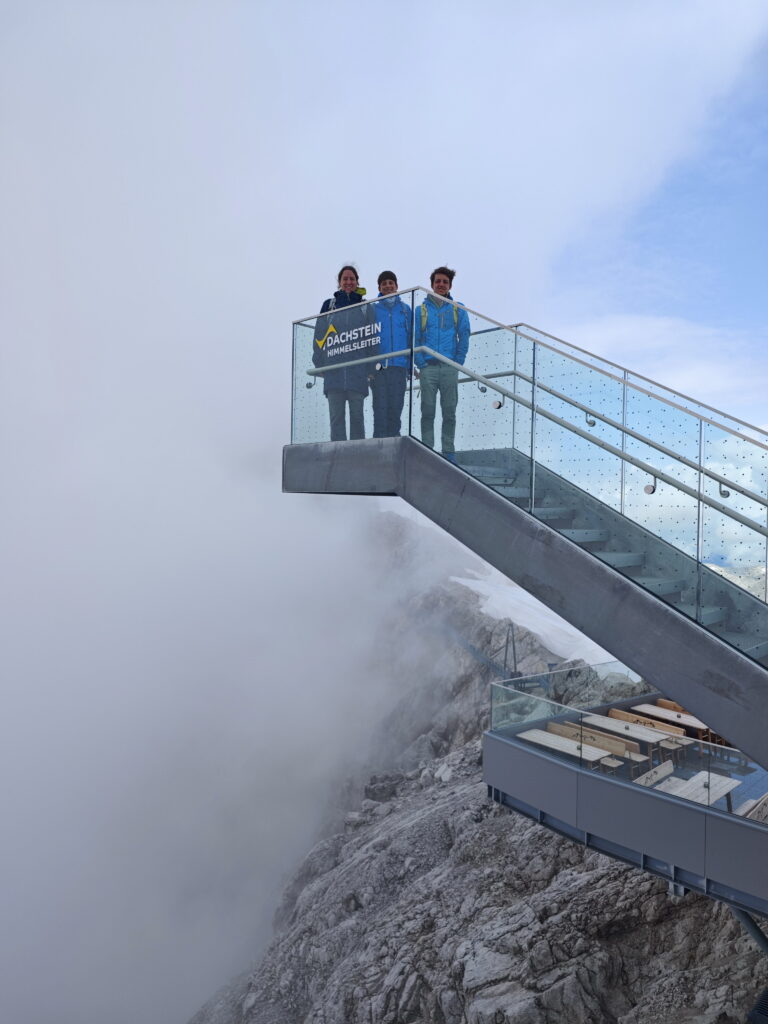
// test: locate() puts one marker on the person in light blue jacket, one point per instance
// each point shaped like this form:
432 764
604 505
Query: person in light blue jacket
391 376
443 326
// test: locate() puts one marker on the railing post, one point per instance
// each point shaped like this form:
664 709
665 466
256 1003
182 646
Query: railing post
623 441
413 365
533 427
699 525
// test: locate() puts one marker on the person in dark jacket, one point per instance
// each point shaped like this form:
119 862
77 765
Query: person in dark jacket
347 332
389 381
443 326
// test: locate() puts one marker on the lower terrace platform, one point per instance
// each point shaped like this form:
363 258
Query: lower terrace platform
636 777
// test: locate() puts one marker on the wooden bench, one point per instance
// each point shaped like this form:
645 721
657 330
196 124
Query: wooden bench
616 745
563 745
746 807
610 764
611 744
652 723
661 771
671 785
670 705
672 748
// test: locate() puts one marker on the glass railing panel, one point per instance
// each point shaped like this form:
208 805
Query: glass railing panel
545 726
572 351
484 428
521 411
659 507
728 546
309 419
585 388
579 685
574 456
659 391
696 408
676 755
340 352
677 760
674 429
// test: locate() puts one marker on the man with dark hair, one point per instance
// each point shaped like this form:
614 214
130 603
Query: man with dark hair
443 326
390 378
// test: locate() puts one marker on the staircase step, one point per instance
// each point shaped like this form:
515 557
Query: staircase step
516 493
755 646
586 536
554 512
622 559
663 585
485 473
707 614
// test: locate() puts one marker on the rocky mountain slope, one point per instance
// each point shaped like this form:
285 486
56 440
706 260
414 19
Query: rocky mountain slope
427 904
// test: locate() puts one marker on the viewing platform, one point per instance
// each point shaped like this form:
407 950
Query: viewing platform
635 777
634 512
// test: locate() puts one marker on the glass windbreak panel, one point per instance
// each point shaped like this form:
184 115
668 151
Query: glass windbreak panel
472 421
579 685
664 748
511 708
345 357
485 423
660 391
523 388
699 409
729 546
661 508
576 457
542 724
309 409
675 430
587 392
565 347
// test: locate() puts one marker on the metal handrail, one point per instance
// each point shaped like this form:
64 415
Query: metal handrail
587 410
644 391
640 376
515 329
605 445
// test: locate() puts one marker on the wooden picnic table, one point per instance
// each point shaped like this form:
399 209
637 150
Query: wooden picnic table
641 733
564 745
703 788
628 730
674 717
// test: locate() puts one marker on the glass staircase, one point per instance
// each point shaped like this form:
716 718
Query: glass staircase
667 491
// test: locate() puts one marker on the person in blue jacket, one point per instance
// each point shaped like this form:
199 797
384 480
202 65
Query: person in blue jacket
389 381
347 332
443 326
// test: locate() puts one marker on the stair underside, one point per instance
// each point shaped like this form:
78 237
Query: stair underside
671 651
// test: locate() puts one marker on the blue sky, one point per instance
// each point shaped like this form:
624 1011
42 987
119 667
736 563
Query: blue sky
698 246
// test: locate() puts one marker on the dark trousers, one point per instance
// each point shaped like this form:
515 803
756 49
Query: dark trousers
388 397
337 408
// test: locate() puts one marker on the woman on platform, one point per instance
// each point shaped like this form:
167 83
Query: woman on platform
345 333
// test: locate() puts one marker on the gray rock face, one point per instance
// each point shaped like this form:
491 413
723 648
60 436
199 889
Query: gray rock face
431 905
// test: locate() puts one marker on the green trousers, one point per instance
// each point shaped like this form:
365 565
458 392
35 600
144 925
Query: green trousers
440 379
